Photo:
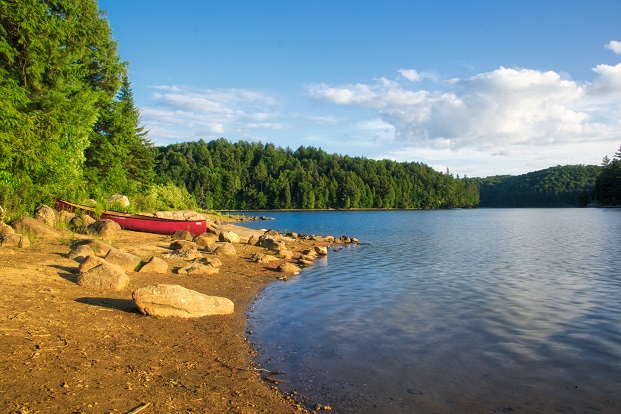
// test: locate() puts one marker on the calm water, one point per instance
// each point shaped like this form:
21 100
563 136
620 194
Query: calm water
461 311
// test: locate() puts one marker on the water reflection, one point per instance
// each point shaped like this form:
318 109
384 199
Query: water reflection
453 311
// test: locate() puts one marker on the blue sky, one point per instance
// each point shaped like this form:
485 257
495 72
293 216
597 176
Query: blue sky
481 87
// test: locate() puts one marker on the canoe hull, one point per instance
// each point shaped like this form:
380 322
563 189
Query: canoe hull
137 222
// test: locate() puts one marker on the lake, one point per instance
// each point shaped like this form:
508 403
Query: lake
451 311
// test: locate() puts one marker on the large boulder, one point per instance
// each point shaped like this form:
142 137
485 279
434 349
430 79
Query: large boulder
104 228
177 301
118 199
183 245
79 223
129 262
105 276
321 250
155 265
33 227
271 243
47 215
65 217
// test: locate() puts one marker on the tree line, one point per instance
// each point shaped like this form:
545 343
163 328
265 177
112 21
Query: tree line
560 186
608 184
242 175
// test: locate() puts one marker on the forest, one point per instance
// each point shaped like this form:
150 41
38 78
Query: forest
69 128
560 186
242 175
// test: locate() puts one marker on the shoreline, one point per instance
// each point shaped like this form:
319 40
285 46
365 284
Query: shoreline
73 349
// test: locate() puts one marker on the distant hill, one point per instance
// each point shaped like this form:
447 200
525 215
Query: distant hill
560 186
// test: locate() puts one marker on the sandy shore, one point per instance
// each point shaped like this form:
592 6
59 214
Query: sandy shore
68 349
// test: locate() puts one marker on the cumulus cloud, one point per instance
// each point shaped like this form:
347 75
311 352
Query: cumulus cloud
491 110
178 113
615 46
415 76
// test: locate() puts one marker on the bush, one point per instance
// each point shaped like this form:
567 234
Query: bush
164 197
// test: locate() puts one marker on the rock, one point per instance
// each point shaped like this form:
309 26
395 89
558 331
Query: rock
271 232
182 235
292 235
6 229
288 268
253 240
183 255
355 240
89 202
79 223
127 261
89 262
104 228
47 215
329 239
228 237
100 248
65 217
262 258
80 252
198 269
183 245
321 250
33 227
305 262
118 199
285 254
205 239
225 249
155 265
105 276
14 240
270 243
177 301
214 261
164 214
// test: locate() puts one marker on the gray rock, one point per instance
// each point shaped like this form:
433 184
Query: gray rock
129 262
105 276
177 301
183 255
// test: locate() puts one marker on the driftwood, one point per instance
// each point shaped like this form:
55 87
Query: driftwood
139 408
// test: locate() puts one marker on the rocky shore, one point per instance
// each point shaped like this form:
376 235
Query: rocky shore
114 321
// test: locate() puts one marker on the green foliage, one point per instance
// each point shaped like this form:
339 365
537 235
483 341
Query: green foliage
164 197
64 94
560 186
243 175
608 185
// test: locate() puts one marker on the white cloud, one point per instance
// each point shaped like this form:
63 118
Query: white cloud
494 109
415 76
179 113
615 46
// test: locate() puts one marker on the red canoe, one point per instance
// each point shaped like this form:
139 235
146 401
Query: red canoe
137 222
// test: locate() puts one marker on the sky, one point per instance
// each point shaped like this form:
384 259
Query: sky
482 88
